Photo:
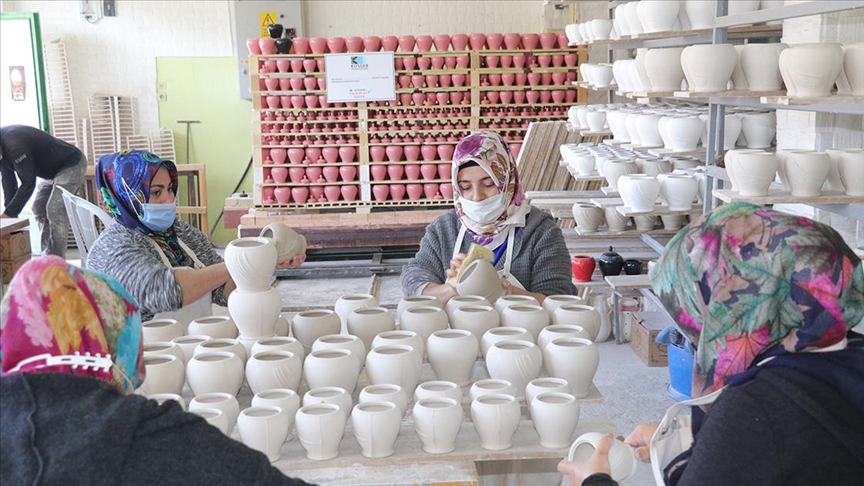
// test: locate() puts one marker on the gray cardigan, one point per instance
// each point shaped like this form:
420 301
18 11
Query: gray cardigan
134 261
541 261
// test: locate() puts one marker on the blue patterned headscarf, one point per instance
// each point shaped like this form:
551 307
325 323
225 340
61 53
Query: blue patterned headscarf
121 172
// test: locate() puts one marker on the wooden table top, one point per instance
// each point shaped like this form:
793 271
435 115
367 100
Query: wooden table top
10 225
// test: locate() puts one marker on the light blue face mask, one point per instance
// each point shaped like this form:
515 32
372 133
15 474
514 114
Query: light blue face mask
157 217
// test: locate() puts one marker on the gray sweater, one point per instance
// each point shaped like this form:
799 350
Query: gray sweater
541 261
134 261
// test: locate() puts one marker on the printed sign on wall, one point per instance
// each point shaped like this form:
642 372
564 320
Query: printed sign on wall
365 76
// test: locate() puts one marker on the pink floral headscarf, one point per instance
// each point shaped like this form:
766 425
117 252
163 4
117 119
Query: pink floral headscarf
491 152
58 309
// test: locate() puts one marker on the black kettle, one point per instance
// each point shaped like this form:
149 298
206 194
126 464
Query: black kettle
610 263
275 30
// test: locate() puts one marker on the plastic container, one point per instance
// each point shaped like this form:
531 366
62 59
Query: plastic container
680 355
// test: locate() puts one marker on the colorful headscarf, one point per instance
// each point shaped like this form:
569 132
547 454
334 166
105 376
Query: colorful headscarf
744 282
489 151
135 169
56 308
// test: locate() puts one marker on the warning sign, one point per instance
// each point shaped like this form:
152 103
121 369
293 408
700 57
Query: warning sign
267 18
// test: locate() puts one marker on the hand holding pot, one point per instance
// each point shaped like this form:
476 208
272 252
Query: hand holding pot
294 262
455 263
597 463
640 439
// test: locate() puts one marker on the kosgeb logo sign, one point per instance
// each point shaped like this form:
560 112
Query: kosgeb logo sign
358 63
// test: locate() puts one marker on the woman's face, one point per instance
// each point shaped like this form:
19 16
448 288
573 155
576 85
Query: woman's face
475 184
161 191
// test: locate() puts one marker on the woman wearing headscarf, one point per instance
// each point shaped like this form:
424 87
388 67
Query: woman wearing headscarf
167 265
769 301
71 357
491 211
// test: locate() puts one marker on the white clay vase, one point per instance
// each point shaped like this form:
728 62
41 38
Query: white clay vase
424 321
649 133
601 28
556 331
641 192
331 367
760 64
477 319
810 70
806 172
632 130
288 242
853 65
679 191
588 217
658 15
633 20
511 300
515 361
584 316
622 457
264 429
188 344
731 165
615 221
214 417
438 388
618 124
224 402
731 131
213 326
452 354
641 70
834 182
555 416
495 418
739 81
754 172
663 67
573 359
160 330
708 68
614 169
164 374
386 392
251 263
552 302
622 79
320 428
463 300
538 386
596 120
480 278
490 387
758 129
368 322
286 400
497 334
700 13
684 132
217 371
852 172
397 364
330 394
273 369
437 422
307 326
416 301
531 317
165 347
232 346
376 426
343 341
408 338
347 303
672 222
255 312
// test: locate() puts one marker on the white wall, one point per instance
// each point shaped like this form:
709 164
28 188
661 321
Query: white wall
118 55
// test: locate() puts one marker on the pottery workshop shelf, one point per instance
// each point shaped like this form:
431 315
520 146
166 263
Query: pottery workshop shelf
786 197
659 210
358 205
689 37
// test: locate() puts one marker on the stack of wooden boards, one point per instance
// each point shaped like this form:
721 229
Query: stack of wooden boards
539 167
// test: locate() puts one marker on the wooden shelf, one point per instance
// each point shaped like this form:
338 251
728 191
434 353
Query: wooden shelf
526 87
584 85
311 145
659 210
433 130
355 204
730 94
415 162
309 184
786 197
833 99
421 180
433 71
326 164
499 52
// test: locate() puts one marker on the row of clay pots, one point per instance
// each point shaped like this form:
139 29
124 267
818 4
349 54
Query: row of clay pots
311 155
307 128
412 153
803 172
424 43
311 173
527 79
411 172
296 66
529 96
430 113
295 84
302 116
298 102
518 124
524 111
417 81
312 194
431 62
305 140
494 61
420 124
415 192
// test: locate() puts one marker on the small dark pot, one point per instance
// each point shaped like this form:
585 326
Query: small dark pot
275 30
283 45
633 267
610 263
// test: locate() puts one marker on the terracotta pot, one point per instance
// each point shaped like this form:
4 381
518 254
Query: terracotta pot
477 41
372 43
300 45
424 43
512 41
424 62
438 63
397 191
442 42
406 43
463 61
332 193
377 153
429 171
347 154
459 41
280 174
429 152
267 45
446 190
532 97
353 44
411 152
529 41
318 45
410 63
548 40
414 191
380 192
394 153
430 190
378 172
348 173
395 172
389 43
253 47
283 194
494 41
583 267
412 172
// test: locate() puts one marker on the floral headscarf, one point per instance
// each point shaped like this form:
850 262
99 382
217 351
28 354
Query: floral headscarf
58 309
744 282
135 169
489 151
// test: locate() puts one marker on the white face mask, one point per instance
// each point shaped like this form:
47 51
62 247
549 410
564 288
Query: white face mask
485 211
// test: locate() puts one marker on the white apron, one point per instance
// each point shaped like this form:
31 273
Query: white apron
508 255
188 313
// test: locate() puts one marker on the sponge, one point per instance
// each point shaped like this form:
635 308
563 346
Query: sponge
476 252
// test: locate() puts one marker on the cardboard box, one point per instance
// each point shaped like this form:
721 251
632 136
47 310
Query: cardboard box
9 267
15 245
646 326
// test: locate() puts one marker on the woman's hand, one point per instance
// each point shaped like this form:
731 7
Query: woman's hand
597 463
510 289
444 291
455 263
292 263
640 439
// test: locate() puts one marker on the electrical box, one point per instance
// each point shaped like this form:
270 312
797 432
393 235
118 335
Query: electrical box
249 19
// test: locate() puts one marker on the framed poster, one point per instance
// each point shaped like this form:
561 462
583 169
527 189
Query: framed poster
23 99
360 76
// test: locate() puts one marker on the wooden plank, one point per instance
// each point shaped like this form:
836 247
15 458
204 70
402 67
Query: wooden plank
629 282
833 99
786 197
659 210
10 225
731 94
608 202
533 195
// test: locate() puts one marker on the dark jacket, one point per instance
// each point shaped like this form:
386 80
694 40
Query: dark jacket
30 153
784 427
65 429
